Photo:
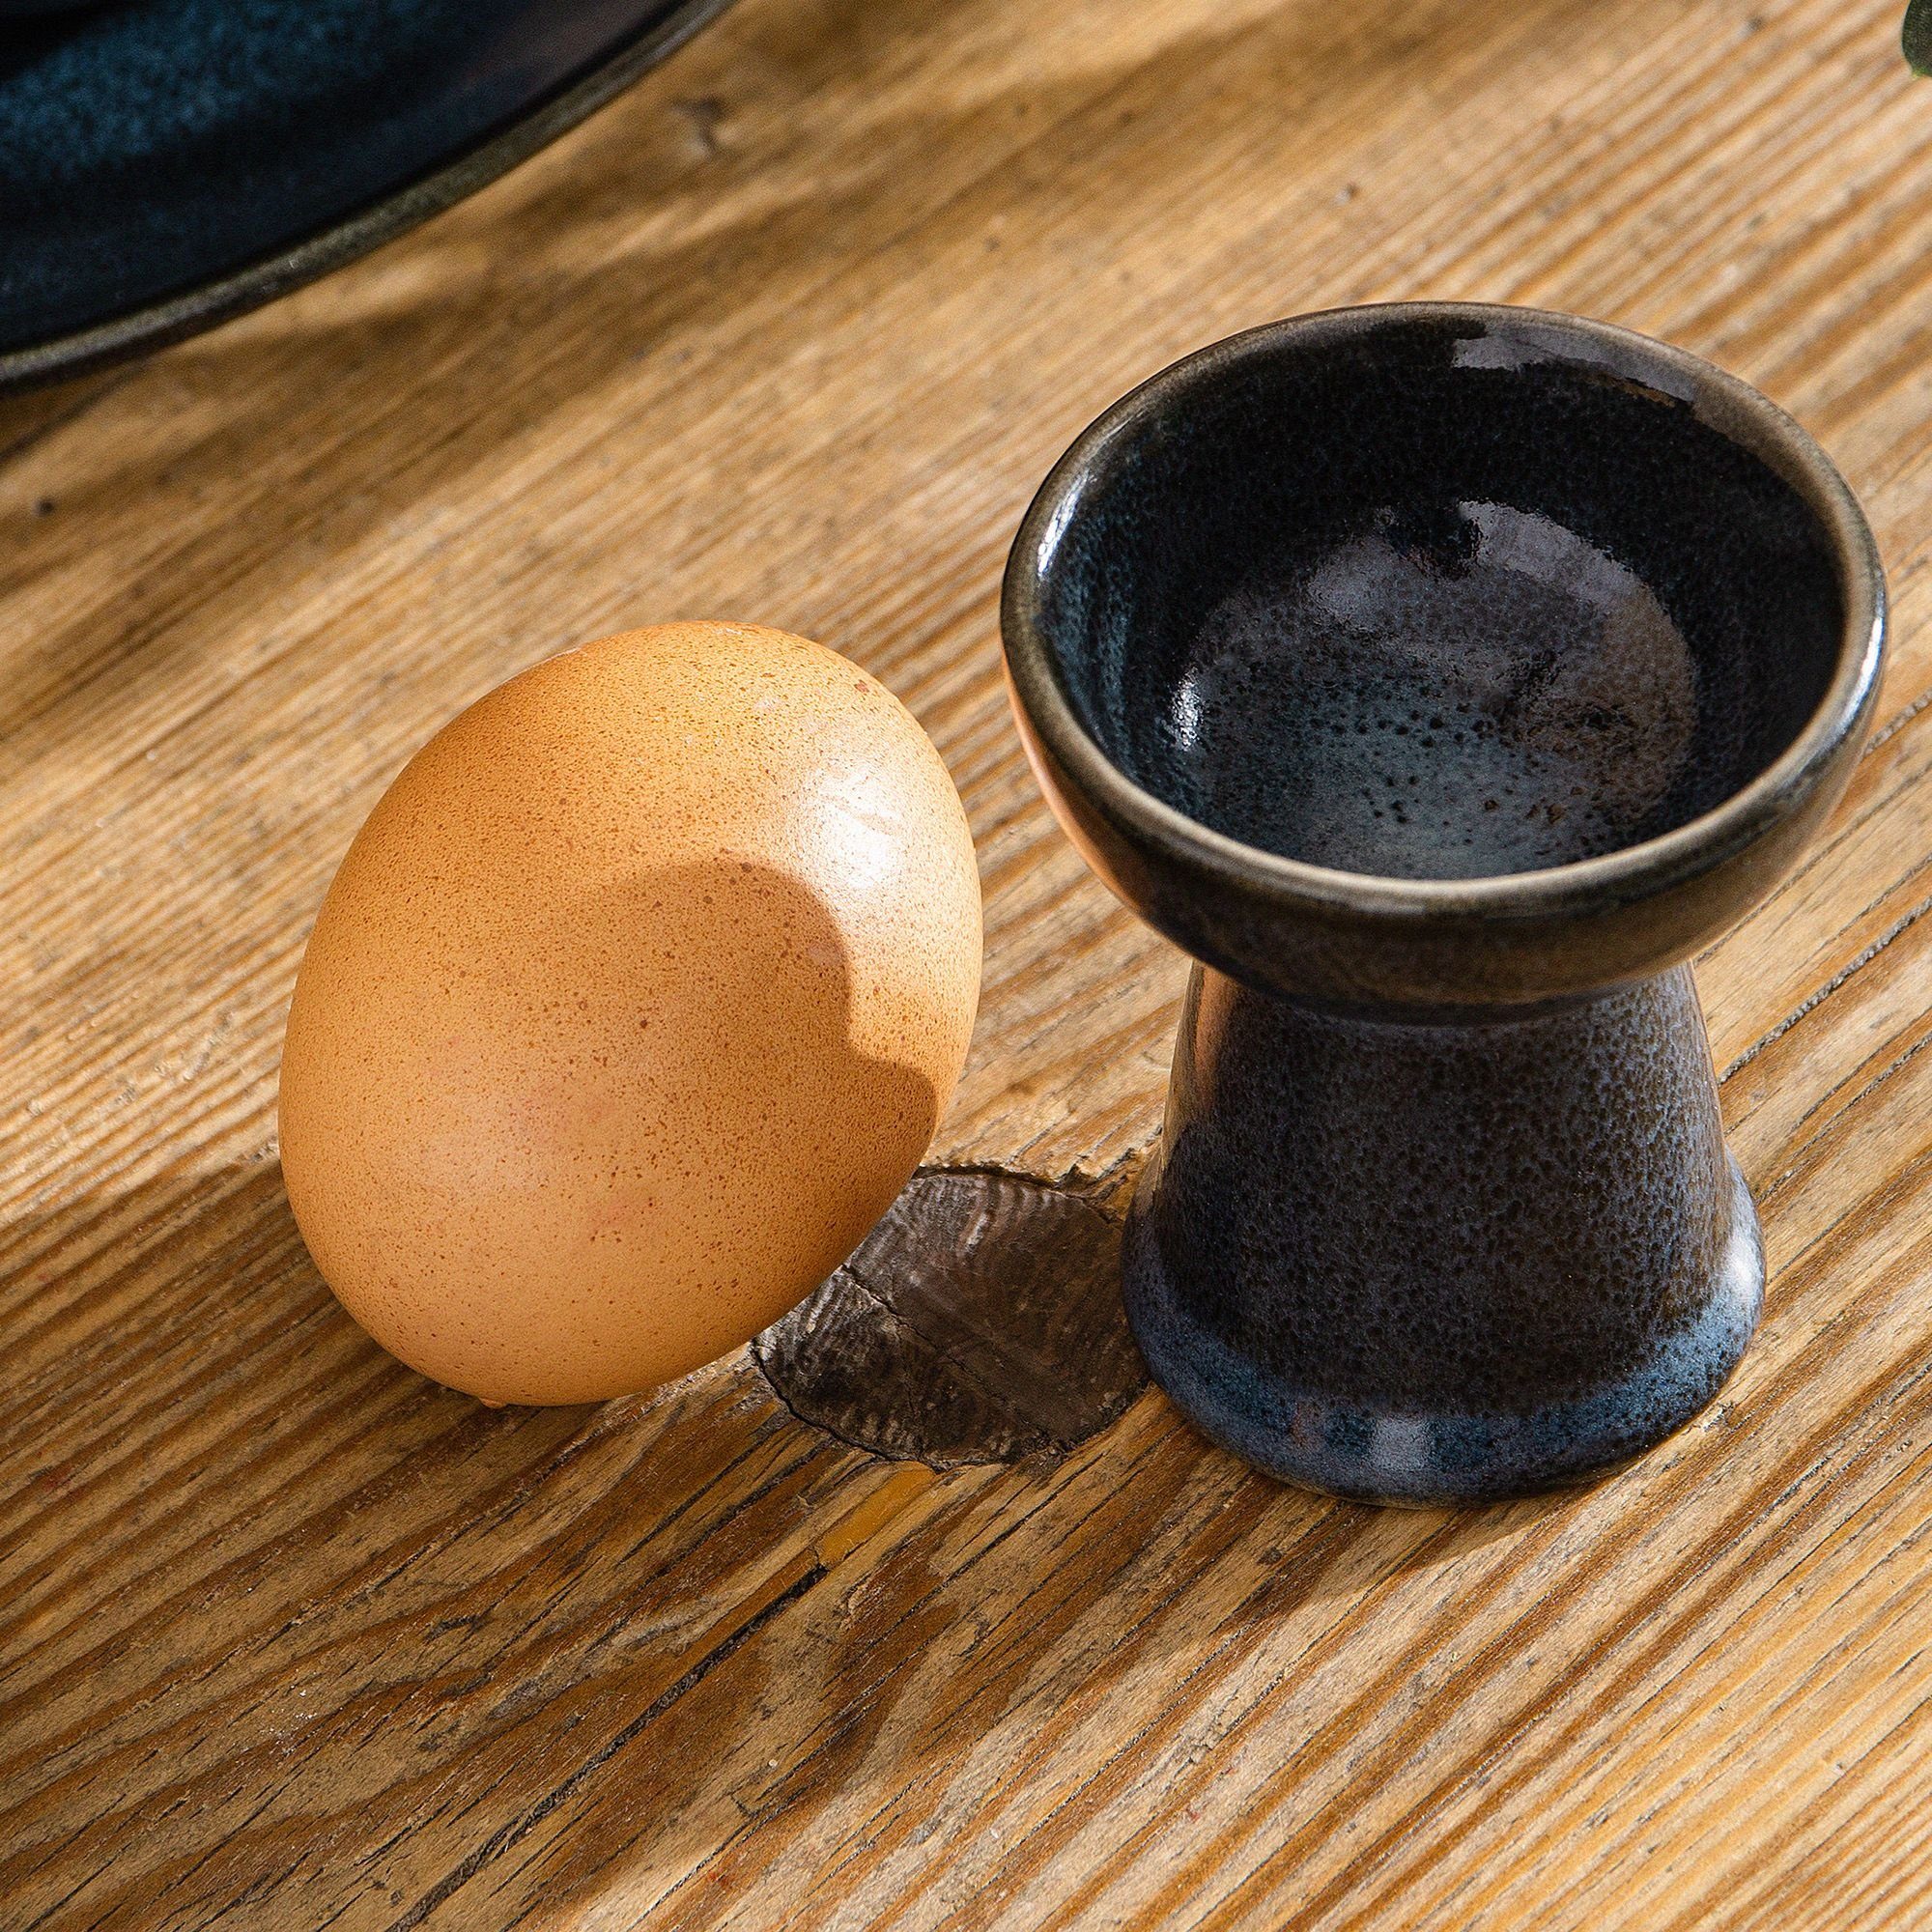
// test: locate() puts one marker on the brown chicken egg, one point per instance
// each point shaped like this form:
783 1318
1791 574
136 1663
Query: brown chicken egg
632 1007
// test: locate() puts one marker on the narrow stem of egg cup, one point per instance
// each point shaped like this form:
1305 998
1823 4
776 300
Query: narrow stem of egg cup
1443 1210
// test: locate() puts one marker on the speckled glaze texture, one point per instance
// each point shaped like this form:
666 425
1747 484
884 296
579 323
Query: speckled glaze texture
1442 677
1358 1259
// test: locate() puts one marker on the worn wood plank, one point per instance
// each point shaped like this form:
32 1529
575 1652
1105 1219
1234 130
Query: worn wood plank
290 1638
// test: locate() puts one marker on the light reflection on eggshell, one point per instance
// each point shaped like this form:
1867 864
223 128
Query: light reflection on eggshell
632 1007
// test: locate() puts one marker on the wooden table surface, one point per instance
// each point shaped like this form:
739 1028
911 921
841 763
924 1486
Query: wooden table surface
290 1638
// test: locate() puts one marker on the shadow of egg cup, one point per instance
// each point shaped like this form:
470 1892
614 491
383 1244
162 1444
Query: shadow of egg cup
1442 677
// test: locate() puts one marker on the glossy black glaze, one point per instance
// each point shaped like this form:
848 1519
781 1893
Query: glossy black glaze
1442 676
171 163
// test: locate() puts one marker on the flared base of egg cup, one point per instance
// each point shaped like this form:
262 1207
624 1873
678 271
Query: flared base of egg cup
1433 1264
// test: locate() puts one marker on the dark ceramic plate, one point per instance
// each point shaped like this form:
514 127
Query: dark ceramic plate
165 164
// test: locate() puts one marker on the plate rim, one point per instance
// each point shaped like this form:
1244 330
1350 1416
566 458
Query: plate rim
221 297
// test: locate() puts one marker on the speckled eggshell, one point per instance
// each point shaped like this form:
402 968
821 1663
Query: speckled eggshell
633 1006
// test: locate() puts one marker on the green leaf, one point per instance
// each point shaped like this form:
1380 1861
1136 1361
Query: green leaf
1917 38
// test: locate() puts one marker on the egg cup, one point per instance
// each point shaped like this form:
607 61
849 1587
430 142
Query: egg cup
1442 677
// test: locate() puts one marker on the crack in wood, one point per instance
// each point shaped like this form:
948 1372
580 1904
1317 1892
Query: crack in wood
1808 1005
506 1836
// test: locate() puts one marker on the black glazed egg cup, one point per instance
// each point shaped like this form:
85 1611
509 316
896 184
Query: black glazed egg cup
1442 677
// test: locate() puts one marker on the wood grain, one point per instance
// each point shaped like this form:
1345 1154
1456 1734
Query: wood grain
290 1638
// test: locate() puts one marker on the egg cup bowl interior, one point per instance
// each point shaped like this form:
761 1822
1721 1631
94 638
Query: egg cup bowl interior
1442 677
